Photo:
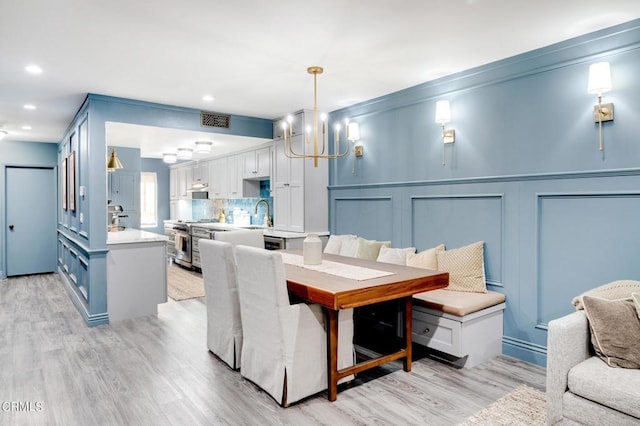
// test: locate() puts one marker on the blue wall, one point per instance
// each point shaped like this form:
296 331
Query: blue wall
524 175
13 153
161 169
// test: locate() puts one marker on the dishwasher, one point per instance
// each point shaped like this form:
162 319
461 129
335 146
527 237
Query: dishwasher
197 233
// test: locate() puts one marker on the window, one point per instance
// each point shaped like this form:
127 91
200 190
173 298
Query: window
148 200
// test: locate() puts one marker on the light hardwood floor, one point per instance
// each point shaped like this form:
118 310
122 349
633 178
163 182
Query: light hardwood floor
157 370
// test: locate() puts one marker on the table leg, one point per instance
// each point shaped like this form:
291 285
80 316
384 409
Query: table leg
408 329
332 354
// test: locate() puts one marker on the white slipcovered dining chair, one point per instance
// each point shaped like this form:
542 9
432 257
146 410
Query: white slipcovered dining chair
284 349
224 329
245 237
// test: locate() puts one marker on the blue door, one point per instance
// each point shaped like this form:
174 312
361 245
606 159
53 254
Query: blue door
31 220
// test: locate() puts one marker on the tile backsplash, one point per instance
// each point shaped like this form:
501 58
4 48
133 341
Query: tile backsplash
210 209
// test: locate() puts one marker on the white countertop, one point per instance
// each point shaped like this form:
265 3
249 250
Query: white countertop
267 231
285 234
130 235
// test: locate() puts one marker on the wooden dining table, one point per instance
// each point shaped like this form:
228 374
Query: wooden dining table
335 292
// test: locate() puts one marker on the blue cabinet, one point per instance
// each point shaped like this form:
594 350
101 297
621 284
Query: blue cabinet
124 190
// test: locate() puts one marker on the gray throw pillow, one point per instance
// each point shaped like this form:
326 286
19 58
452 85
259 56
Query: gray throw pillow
615 330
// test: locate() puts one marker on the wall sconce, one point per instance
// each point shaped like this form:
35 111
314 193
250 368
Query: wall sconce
169 157
599 83
353 135
443 115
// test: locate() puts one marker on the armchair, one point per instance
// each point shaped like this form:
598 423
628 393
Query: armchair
581 388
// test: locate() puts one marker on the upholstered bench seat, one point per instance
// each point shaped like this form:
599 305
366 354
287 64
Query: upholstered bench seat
467 326
459 303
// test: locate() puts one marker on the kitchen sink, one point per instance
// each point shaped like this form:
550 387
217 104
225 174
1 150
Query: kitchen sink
116 228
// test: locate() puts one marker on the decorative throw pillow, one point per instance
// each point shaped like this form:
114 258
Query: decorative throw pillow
426 259
465 266
335 243
395 255
369 249
615 290
615 330
636 300
349 245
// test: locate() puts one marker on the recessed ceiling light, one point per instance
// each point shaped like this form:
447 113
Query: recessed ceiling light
29 106
33 69
26 127
207 98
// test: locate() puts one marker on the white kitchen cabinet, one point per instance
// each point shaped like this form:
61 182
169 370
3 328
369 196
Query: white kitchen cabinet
299 191
297 124
234 176
184 180
200 173
174 184
256 164
179 181
218 187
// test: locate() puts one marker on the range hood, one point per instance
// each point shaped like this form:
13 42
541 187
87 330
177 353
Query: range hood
196 187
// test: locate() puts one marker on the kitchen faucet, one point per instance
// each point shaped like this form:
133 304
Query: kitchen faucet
268 216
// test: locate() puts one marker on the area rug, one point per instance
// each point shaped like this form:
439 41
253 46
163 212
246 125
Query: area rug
522 406
183 284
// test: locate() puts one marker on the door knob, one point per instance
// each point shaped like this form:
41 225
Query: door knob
11 227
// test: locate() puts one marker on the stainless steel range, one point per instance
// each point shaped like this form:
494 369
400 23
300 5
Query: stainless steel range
182 240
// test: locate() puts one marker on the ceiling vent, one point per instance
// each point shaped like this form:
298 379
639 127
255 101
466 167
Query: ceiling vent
210 119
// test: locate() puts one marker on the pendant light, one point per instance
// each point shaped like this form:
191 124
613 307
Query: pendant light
113 163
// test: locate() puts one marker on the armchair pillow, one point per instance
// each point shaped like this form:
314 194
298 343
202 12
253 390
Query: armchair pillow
426 259
465 266
395 255
615 330
369 249
615 290
636 300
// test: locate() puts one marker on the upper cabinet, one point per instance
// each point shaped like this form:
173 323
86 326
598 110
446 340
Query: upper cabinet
180 179
234 176
256 164
297 124
124 190
200 173
218 187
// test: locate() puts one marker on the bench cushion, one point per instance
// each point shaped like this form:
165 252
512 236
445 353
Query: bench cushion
459 303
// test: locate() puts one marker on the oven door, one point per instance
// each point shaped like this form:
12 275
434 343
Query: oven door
274 243
183 248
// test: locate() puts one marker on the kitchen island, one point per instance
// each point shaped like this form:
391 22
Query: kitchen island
136 273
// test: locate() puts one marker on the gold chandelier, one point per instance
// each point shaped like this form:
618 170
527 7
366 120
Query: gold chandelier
318 151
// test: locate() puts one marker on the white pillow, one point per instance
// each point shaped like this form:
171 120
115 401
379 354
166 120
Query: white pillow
369 249
335 243
465 266
349 245
395 255
426 259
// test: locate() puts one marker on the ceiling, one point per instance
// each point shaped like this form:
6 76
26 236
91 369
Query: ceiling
252 55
